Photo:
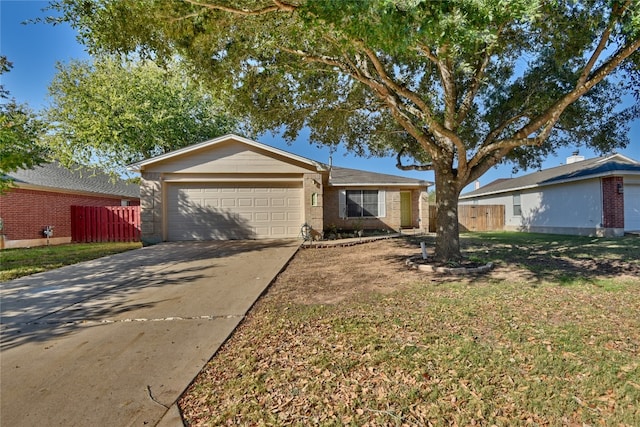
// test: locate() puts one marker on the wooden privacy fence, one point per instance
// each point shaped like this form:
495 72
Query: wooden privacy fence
474 218
105 224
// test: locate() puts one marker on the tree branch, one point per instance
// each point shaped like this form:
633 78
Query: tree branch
552 114
445 69
361 74
399 165
495 133
602 44
423 110
278 6
492 152
440 132
470 95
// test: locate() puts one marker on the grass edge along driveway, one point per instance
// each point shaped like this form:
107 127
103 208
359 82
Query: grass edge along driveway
15 263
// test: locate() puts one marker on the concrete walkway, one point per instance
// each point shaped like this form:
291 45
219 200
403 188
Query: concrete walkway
115 341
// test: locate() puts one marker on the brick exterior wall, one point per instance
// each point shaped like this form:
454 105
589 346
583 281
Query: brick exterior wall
612 203
26 212
150 208
392 220
314 215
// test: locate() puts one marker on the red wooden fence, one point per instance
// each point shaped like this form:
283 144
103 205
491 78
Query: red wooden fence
105 223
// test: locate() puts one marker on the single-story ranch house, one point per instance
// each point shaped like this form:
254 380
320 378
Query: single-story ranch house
235 188
43 197
598 196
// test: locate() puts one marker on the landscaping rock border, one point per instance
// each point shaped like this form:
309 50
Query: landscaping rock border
343 243
446 270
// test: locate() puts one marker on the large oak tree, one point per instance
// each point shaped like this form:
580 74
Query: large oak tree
452 86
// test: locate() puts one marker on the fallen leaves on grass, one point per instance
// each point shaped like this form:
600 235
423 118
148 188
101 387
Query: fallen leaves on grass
331 345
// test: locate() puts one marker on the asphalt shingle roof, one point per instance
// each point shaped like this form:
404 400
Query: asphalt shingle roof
574 171
345 176
55 176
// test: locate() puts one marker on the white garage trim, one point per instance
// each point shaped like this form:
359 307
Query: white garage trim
631 207
226 180
232 210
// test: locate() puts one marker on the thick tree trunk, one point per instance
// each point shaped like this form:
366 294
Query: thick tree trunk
447 231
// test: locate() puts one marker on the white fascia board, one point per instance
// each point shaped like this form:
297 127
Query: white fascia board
232 180
564 181
34 187
507 190
621 156
382 184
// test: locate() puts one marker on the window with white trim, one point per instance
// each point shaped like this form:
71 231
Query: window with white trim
362 204
517 208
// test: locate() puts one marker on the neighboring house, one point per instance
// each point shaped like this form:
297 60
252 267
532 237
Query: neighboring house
235 188
598 196
43 197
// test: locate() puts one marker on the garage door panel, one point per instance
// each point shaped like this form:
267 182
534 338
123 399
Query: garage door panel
197 211
228 202
293 202
211 203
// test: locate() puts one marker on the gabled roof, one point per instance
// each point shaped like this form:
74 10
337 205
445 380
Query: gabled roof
54 176
339 176
219 140
342 177
592 168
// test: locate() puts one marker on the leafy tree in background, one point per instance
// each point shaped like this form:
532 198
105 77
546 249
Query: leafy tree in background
20 133
113 113
450 86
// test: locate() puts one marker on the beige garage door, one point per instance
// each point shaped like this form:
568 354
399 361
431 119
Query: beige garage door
197 211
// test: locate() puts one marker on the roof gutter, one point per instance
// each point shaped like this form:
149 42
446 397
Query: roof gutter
546 184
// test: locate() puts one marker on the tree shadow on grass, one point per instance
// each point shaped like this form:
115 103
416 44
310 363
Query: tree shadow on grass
551 258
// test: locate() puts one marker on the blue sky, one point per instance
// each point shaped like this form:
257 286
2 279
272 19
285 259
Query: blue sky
34 50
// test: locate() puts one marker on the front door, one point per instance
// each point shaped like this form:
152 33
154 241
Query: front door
405 209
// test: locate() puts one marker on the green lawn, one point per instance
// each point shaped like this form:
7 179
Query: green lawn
545 339
16 263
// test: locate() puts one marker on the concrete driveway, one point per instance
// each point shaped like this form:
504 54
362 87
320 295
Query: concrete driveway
115 341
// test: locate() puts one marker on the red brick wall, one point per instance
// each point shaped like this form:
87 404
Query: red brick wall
612 202
26 212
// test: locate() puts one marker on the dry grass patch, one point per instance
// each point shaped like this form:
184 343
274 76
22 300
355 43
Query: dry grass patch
348 336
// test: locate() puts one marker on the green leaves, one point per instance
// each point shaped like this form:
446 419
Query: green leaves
119 113
459 84
477 68
20 132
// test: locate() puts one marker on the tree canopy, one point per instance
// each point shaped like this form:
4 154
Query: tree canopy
453 86
20 133
114 113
